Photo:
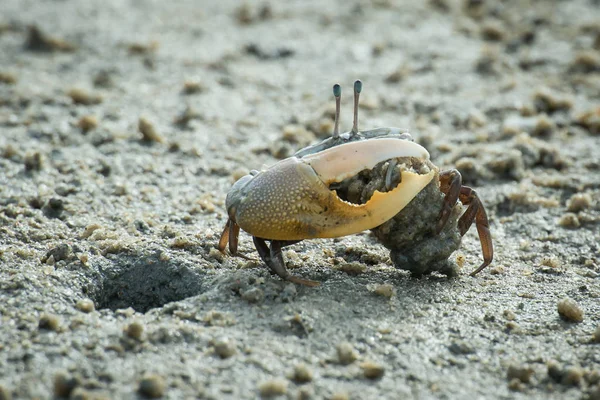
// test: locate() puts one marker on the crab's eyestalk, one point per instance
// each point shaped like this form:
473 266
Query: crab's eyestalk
357 90
337 92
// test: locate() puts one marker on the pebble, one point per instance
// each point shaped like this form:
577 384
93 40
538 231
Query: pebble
353 268
272 388
5 394
135 330
302 374
593 377
398 74
569 310
89 230
497 270
596 335
148 131
493 30
384 290
516 385
193 87
372 370
509 315
85 305
54 208
87 123
39 41
82 96
521 372
569 220
215 254
543 127
572 376
61 252
555 371
297 134
579 202
461 347
253 295
546 100
590 120
49 322
64 385
305 393
346 353
586 62
340 396
33 161
594 393
7 78
143 48
152 386
224 347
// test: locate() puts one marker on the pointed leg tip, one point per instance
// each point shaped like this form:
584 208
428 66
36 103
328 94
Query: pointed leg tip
302 281
478 270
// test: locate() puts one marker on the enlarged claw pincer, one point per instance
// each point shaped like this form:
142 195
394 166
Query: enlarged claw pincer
292 200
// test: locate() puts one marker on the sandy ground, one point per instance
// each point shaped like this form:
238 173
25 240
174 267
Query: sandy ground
110 284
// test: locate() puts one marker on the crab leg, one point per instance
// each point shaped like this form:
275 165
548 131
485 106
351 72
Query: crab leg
476 212
274 260
224 236
234 233
450 184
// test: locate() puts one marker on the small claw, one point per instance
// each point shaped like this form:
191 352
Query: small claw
388 175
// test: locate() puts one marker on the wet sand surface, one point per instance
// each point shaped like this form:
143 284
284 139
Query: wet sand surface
124 124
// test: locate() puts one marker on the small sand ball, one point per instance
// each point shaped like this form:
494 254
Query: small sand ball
346 353
596 335
135 330
253 295
148 131
372 370
579 202
64 385
152 386
193 87
521 372
516 385
224 347
384 290
272 388
5 394
340 396
569 220
87 123
82 96
569 310
49 322
85 305
573 376
555 370
302 374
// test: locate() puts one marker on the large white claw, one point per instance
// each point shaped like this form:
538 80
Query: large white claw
340 162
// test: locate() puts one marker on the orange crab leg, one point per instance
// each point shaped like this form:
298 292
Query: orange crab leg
469 197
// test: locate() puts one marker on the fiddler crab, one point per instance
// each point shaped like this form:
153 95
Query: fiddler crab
378 179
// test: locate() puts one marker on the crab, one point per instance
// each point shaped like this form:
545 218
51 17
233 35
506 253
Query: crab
378 180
